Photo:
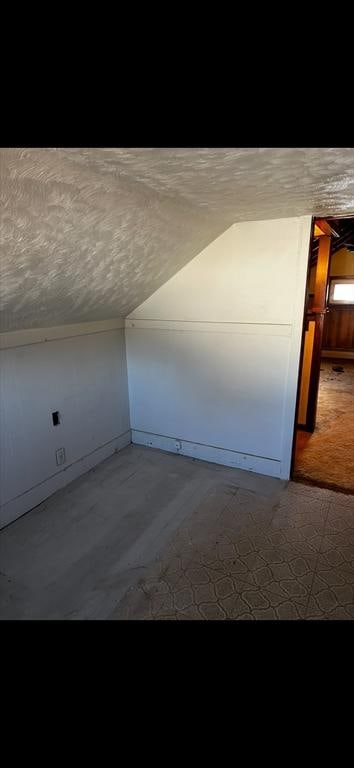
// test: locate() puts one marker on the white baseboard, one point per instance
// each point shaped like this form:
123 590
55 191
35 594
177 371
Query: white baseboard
34 496
203 452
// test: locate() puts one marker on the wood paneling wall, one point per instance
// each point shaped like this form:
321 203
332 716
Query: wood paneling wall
338 330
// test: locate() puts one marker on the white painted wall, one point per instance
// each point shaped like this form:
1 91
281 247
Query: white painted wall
78 370
213 355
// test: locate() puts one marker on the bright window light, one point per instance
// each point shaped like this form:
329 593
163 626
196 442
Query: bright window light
343 292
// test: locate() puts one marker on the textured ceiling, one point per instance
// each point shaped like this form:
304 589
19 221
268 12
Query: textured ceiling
88 234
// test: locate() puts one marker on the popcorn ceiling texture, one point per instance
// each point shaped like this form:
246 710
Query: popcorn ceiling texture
89 234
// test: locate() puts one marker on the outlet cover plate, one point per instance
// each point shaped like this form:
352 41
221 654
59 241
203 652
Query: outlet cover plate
60 456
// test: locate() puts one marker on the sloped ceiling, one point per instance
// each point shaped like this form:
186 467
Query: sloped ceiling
89 234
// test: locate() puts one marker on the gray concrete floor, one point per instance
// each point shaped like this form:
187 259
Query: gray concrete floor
151 535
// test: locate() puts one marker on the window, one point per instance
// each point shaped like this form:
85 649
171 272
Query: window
341 291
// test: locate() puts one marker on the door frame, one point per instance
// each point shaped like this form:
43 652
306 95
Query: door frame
305 306
313 389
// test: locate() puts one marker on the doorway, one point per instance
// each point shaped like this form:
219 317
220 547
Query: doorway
323 449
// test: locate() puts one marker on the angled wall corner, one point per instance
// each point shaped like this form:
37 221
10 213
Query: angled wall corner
213 354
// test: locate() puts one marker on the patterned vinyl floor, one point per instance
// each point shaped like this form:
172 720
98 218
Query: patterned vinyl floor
240 557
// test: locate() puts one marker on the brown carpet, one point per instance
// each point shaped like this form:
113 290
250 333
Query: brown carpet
326 457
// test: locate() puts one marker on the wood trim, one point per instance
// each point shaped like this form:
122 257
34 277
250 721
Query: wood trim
337 354
314 375
304 324
326 228
317 314
322 270
341 277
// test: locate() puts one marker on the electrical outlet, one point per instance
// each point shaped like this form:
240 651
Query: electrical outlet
60 456
178 445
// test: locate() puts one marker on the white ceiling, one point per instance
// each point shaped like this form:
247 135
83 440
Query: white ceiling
88 234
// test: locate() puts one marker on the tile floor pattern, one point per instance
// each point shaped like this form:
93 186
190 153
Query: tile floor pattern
242 556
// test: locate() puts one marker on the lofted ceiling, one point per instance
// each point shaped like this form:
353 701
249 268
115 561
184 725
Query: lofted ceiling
88 234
